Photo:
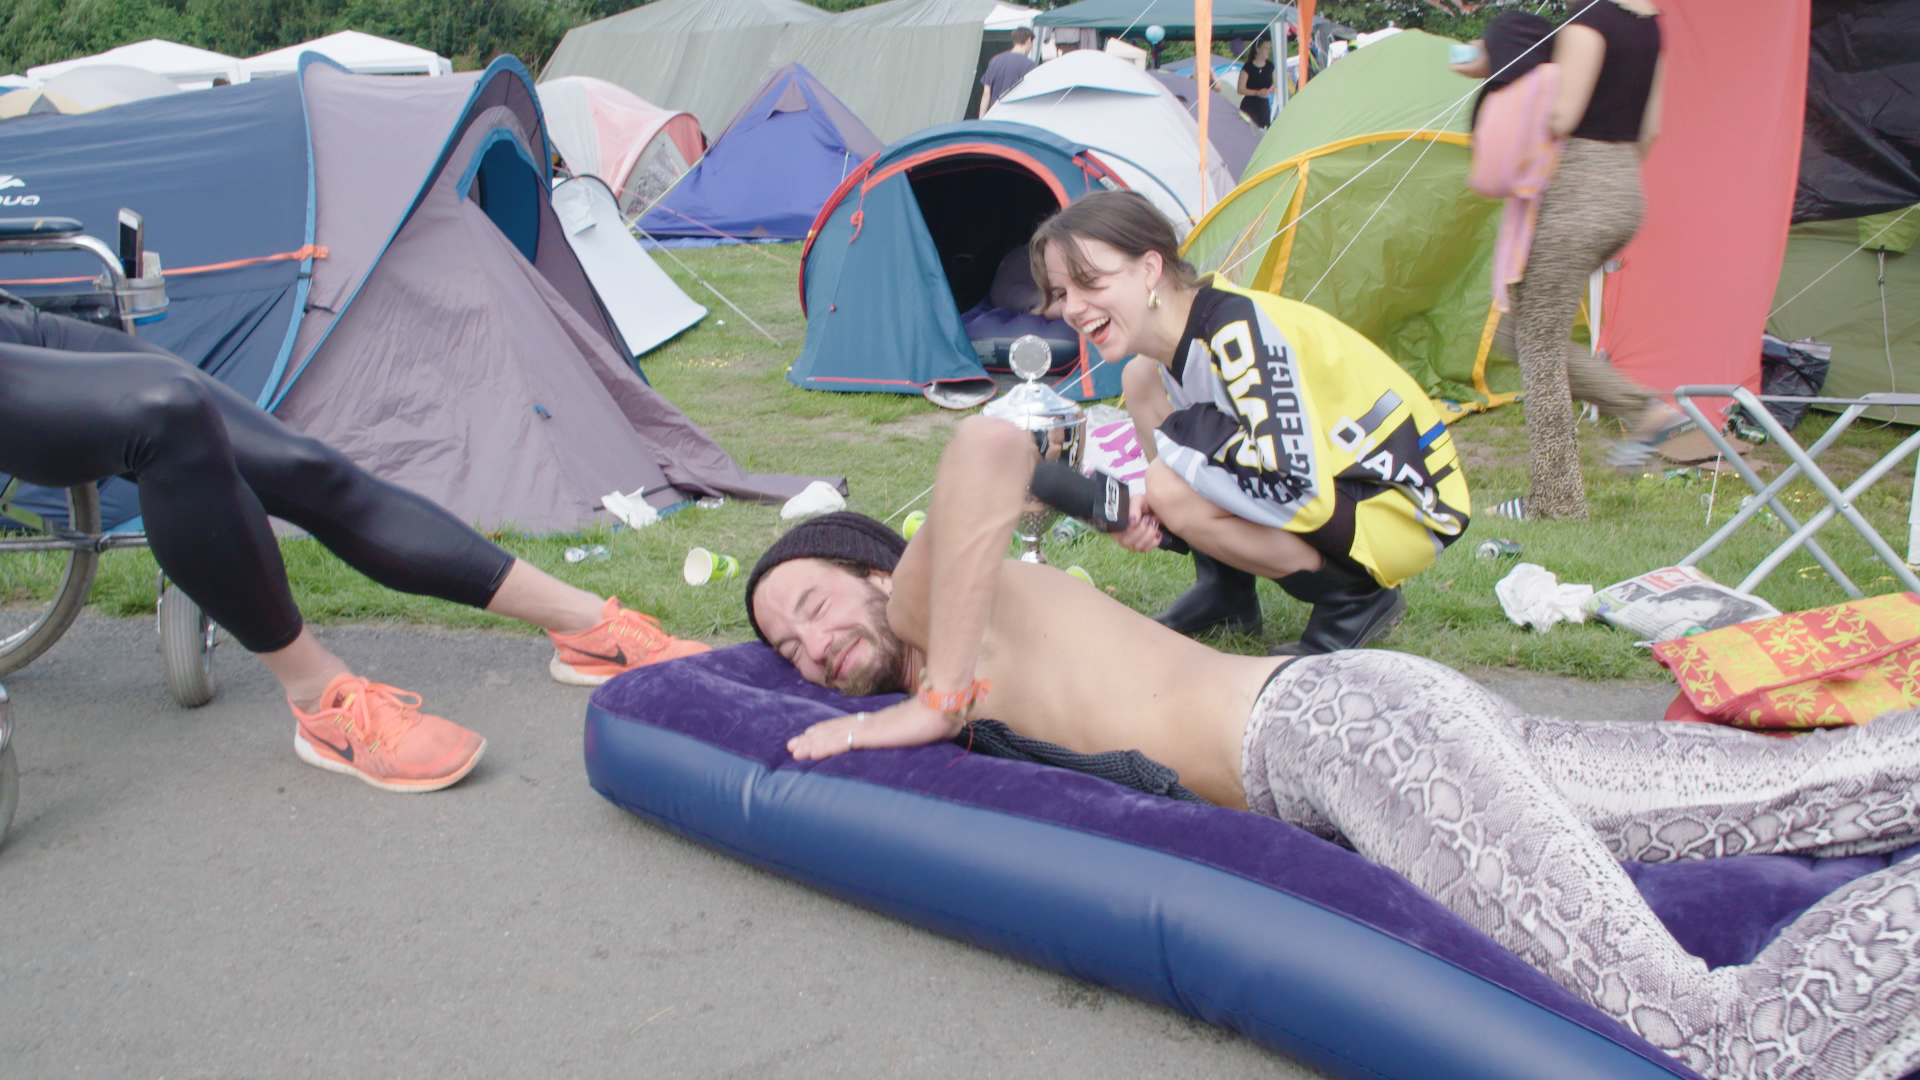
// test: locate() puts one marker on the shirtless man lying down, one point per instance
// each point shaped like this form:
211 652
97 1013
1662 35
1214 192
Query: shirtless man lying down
1514 822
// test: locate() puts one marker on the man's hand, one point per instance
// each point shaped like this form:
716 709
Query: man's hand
1142 533
908 723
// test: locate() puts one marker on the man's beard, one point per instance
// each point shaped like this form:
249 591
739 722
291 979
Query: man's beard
883 673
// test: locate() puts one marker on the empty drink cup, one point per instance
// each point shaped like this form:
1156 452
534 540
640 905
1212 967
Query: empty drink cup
703 566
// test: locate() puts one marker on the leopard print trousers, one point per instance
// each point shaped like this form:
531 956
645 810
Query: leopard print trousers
1518 824
1589 211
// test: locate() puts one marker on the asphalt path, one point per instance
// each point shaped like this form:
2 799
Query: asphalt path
181 897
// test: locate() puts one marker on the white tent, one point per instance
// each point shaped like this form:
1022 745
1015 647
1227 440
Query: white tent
188 67
99 86
1132 121
362 54
644 302
1005 16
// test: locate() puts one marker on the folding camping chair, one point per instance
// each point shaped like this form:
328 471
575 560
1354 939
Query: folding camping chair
1767 493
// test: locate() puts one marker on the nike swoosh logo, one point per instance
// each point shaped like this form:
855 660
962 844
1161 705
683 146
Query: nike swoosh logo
345 749
618 658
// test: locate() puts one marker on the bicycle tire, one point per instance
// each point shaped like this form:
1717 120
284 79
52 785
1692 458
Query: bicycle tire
19 649
186 641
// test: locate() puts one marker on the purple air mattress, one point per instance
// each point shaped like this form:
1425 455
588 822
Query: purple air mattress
1236 919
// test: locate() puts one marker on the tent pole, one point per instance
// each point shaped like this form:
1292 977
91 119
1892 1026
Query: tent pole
1304 31
1203 62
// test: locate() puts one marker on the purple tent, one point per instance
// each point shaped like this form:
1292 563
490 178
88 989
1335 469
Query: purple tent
771 170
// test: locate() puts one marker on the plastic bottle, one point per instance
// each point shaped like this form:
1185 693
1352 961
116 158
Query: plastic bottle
593 553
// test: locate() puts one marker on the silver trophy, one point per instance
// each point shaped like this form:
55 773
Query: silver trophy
1058 427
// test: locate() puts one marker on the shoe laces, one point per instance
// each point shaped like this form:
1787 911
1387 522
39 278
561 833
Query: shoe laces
360 717
645 628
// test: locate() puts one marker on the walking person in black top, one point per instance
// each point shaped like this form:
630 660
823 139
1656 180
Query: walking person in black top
1256 84
1608 109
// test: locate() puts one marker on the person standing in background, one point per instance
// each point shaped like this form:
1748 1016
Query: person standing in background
1006 70
1256 84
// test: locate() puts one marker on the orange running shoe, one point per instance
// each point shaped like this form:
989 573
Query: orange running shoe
623 640
378 733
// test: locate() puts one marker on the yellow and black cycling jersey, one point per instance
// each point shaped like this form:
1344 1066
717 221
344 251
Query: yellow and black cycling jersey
1288 417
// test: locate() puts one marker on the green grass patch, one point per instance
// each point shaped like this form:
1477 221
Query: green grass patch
731 379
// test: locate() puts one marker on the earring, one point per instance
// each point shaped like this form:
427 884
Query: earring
1153 298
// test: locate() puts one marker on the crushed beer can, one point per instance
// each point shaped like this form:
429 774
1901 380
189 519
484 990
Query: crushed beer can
1501 548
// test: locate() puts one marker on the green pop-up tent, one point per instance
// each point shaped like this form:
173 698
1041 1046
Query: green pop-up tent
1356 202
1855 284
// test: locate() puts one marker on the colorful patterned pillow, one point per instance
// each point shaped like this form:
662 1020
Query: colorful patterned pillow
1829 667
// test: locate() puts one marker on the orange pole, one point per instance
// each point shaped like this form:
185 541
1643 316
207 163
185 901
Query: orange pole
1305 34
1203 73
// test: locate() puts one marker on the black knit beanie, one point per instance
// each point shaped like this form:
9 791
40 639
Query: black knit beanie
842 535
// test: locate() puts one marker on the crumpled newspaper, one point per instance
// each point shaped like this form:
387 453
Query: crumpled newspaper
818 497
631 509
1532 595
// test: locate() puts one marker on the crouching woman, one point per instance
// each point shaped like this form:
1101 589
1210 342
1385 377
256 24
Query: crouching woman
1283 443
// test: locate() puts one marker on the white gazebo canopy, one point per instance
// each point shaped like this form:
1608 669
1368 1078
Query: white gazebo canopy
363 54
189 68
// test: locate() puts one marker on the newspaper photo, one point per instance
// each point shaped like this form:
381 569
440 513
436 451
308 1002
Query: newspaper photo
1675 601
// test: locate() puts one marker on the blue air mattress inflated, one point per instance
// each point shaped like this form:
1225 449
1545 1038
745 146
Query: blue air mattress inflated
1236 919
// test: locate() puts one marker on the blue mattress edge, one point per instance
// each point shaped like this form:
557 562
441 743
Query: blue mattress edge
1288 973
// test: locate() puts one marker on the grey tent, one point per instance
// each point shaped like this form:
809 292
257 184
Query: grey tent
901 66
451 342
705 57
1855 284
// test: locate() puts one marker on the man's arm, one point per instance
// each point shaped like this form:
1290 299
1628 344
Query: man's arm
943 587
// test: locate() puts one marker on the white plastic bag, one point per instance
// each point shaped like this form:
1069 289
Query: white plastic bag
630 509
1533 596
819 497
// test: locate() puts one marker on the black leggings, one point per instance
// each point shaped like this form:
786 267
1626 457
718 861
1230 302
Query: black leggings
211 466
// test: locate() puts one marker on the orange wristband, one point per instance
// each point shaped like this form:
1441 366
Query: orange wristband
952 702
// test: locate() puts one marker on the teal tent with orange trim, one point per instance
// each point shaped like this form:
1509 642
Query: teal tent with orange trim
897 270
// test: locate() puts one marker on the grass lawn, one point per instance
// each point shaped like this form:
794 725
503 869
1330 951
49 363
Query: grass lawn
731 379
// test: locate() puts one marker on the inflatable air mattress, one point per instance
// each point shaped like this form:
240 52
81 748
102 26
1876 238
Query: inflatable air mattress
1236 919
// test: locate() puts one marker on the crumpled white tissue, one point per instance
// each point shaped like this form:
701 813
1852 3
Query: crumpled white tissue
631 509
1533 596
819 497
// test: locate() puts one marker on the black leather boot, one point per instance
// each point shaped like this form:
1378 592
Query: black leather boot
1349 610
1221 598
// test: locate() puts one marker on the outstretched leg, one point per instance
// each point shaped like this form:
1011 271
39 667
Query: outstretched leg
411 544
1422 770
1663 792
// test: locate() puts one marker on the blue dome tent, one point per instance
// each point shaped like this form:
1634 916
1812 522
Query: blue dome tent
897 272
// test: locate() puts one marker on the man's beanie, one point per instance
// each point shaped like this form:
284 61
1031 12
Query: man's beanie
844 535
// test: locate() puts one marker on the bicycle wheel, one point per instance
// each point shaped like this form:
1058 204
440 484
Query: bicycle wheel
42 591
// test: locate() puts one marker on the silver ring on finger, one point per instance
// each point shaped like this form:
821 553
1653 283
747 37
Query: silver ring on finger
849 739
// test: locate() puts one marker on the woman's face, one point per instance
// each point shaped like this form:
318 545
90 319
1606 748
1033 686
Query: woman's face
1111 309
1262 50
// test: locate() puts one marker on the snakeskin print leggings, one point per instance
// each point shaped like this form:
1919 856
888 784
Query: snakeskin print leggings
1518 823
